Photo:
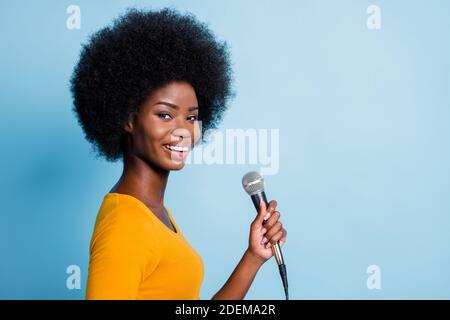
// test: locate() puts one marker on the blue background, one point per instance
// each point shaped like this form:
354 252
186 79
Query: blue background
364 148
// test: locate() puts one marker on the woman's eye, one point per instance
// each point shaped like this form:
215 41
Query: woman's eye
164 116
192 118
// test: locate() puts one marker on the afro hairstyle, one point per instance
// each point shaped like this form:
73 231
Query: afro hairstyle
121 65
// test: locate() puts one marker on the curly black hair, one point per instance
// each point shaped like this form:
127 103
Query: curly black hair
122 64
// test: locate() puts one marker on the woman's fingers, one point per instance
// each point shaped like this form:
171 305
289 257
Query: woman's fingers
272 206
272 218
270 209
264 213
278 237
273 232
269 225
283 239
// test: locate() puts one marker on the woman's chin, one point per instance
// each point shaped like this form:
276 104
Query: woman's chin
175 165
178 168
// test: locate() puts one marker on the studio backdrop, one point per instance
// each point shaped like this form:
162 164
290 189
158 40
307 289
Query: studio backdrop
342 106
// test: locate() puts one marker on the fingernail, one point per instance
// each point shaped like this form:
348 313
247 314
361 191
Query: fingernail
263 230
268 245
264 240
267 216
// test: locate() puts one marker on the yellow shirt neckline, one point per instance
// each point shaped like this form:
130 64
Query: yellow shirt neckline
153 216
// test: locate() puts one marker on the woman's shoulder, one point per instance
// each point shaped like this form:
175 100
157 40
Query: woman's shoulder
120 217
117 206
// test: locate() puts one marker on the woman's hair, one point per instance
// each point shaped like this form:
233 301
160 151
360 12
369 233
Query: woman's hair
122 64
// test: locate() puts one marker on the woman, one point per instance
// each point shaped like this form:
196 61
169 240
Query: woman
140 90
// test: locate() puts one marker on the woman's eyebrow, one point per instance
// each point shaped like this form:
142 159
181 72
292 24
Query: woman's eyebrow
174 106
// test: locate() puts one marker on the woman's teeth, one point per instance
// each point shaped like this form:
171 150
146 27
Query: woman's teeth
177 148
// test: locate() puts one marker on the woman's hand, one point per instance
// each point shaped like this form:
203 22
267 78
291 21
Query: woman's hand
263 237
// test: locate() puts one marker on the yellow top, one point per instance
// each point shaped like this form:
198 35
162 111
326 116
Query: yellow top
134 255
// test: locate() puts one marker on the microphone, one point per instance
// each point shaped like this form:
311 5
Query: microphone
253 184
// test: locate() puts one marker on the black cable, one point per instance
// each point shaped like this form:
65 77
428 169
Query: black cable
283 275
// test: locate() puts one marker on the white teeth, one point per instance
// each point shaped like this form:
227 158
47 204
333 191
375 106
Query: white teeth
177 148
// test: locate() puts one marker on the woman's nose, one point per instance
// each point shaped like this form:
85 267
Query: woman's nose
180 134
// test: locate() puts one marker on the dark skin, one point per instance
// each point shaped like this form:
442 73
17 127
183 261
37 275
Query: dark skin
170 116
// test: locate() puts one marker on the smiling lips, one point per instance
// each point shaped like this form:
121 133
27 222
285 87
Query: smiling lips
177 151
176 148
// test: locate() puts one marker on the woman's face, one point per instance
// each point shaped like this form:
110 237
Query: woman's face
166 126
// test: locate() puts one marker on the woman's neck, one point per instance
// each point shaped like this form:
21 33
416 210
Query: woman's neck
142 181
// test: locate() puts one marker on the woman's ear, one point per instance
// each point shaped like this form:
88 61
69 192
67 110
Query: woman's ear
129 124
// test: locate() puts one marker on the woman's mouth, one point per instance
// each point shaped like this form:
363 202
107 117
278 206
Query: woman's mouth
176 152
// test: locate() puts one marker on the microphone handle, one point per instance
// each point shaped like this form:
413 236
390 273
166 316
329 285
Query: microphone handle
256 199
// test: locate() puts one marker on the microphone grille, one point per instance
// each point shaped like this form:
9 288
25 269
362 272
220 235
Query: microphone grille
253 183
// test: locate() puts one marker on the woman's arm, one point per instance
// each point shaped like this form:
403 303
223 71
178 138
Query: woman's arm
262 237
241 279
